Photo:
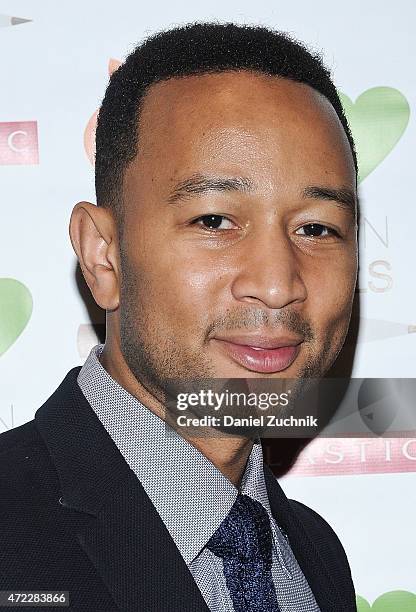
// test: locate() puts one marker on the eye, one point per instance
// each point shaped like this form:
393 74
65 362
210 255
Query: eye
213 222
317 230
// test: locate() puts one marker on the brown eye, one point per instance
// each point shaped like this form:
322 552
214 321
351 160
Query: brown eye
317 230
213 221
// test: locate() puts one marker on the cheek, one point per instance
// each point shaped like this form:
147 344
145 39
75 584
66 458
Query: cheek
330 296
179 286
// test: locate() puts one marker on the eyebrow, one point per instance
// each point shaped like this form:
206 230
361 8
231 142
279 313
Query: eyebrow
198 184
343 197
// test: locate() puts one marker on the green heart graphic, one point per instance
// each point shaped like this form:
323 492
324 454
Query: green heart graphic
15 309
394 601
377 119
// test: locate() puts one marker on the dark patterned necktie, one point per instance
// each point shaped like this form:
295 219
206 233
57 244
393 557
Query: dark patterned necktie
244 542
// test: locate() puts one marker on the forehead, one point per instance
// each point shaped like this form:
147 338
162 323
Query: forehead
239 119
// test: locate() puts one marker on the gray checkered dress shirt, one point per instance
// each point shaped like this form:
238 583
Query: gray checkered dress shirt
190 494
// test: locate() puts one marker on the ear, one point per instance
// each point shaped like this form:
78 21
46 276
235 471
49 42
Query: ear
93 234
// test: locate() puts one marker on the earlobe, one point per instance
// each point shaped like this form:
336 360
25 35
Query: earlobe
93 237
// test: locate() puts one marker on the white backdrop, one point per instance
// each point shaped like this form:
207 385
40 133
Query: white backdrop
55 69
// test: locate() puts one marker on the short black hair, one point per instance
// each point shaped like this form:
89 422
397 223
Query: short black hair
195 48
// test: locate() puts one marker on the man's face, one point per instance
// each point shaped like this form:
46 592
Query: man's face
239 251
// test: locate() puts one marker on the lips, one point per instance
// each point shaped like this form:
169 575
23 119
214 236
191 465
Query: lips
260 354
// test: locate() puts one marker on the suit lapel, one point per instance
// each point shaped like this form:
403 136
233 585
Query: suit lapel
310 561
106 508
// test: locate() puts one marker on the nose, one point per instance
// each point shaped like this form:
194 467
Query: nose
269 273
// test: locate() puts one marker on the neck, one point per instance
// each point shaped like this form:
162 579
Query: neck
228 454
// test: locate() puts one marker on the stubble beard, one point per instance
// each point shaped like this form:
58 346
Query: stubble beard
165 367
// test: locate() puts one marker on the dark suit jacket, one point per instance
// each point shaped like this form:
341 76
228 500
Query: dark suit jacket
74 517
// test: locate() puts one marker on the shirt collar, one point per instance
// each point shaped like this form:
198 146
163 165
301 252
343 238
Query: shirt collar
190 494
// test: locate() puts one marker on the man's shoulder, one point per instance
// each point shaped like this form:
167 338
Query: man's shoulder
15 443
315 523
14 440
326 542
25 464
